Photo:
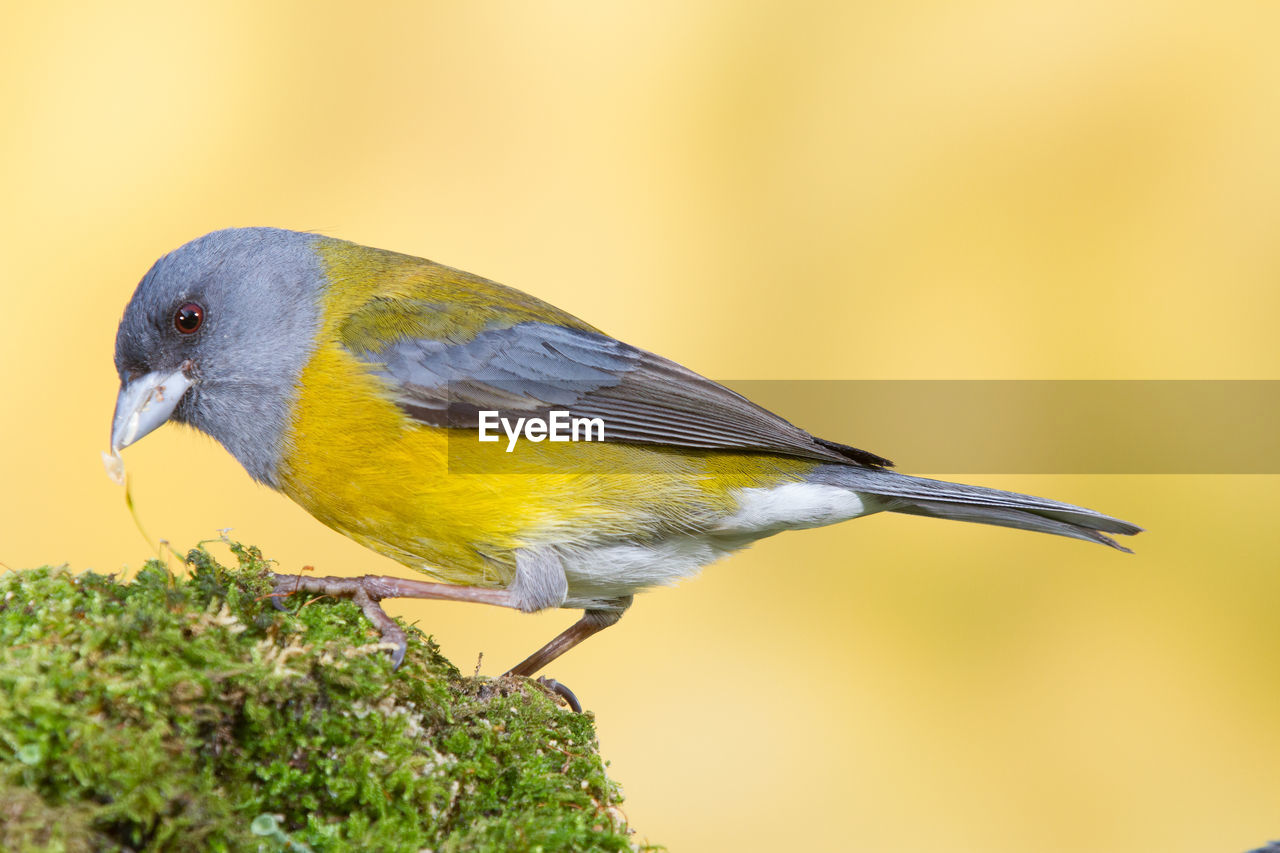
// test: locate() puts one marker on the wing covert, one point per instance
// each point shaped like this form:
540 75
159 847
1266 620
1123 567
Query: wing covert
530 368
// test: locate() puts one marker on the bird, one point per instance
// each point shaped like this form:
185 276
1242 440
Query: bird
433 416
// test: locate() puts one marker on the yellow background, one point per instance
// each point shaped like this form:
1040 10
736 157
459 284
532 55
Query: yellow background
996 189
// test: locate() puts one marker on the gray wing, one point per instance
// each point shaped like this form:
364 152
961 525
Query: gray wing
531 368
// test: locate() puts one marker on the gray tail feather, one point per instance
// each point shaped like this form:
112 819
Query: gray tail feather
940 499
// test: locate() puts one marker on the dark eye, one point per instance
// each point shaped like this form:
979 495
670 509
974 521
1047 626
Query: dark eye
188 318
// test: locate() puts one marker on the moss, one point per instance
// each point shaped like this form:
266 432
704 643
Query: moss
187 713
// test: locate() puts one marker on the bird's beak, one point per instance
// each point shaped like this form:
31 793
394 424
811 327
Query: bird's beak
144 404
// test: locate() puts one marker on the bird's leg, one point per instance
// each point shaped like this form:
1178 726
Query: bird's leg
592 622
367 590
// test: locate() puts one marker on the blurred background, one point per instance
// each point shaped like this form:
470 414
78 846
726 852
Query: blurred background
924 190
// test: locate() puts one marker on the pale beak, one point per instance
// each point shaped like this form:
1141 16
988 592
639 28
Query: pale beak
144 404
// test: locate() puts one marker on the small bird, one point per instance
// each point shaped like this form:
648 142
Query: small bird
506 449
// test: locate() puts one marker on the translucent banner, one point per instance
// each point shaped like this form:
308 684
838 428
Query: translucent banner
945 427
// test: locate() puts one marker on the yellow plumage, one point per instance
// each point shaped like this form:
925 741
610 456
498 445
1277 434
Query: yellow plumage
438 499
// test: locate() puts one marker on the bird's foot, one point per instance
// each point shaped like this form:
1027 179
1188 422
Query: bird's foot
563 692
358 591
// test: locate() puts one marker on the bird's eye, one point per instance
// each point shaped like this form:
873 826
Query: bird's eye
188 318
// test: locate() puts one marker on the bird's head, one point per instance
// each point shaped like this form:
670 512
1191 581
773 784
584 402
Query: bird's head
216 336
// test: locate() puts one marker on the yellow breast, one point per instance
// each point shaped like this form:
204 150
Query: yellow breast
441 501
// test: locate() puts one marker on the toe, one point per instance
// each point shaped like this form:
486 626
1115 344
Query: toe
563 692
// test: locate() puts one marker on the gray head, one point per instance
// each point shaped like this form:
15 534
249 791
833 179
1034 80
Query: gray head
216 336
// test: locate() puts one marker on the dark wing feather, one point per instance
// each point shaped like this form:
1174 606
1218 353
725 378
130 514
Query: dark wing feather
530 368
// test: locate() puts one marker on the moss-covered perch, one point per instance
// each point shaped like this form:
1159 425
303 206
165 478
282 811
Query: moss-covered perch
181 714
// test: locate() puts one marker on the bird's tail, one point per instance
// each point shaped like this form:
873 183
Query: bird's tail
940 499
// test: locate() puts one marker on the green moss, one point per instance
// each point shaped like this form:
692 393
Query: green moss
177 714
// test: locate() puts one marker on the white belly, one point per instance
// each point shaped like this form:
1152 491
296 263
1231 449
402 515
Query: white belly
611 570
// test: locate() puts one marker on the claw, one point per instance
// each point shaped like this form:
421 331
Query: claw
397 655
286 585
563 692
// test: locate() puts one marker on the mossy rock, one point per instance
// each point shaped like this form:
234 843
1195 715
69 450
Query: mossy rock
187 713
